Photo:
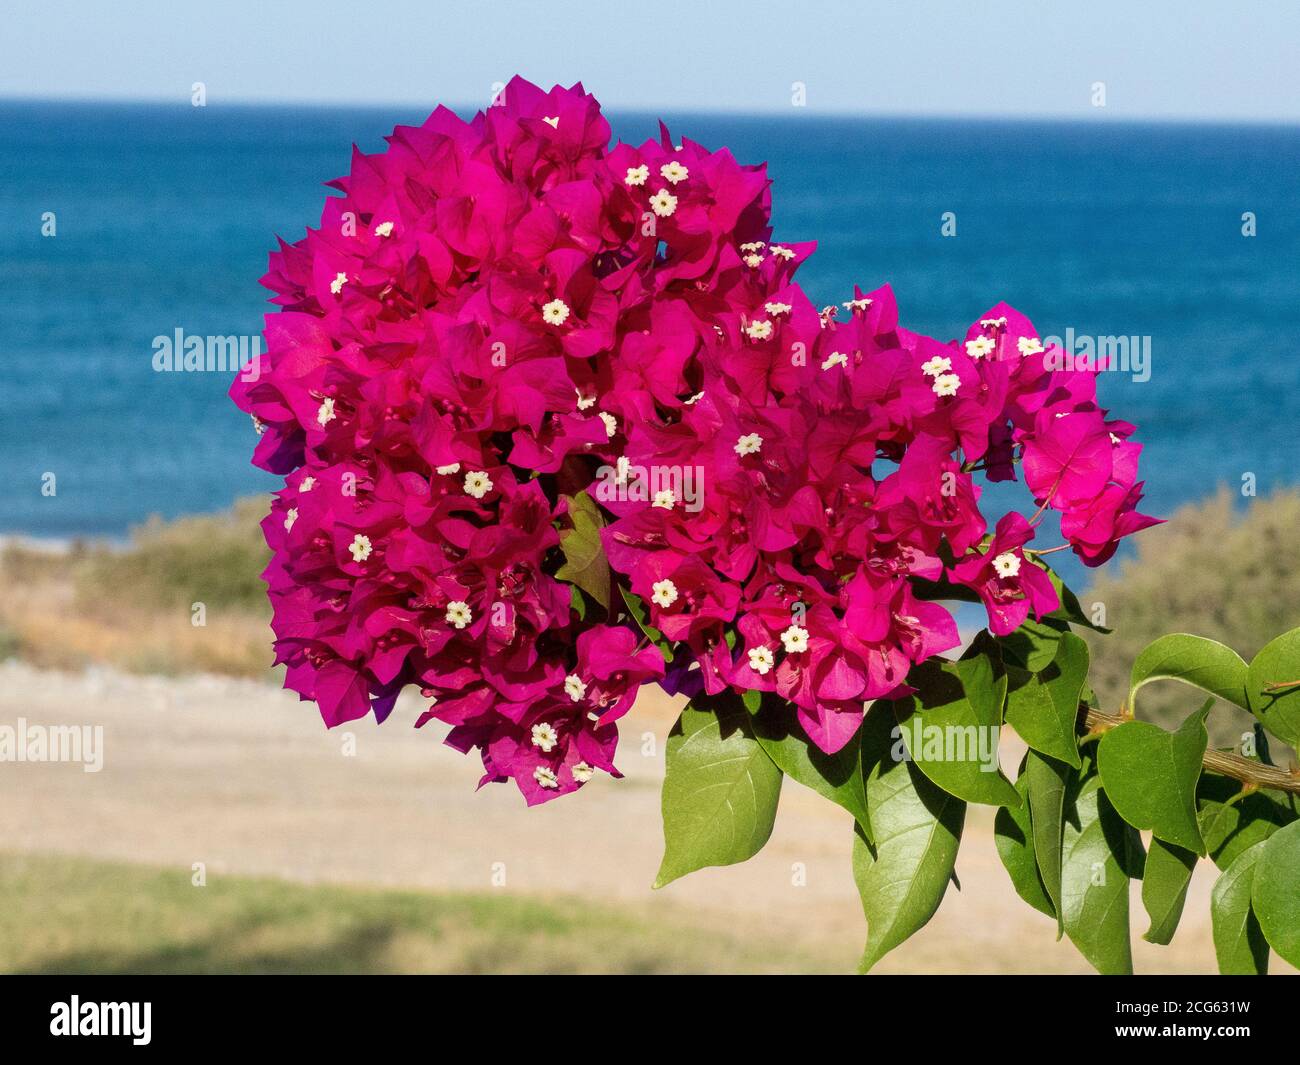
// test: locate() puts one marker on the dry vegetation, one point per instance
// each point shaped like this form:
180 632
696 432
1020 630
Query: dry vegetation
1219 568
133 607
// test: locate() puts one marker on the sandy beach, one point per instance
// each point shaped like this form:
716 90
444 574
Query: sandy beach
241 777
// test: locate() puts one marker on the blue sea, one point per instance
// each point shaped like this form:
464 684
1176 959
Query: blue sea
165 215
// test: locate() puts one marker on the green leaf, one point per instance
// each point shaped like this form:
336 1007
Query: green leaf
915 827
1047 784
578 601
584 556
1275 665
1013 834
1239 943
720 790
1094 886
1275 892
1230 828
1150 777
951 727
1044 707
1194 660
836 776
1033 645
1069 610
1164 888
641 616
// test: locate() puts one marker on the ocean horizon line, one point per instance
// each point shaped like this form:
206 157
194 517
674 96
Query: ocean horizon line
1096 119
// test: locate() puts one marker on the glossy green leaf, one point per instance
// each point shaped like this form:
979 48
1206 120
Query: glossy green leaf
1013 835
1205 664
637 609
1047 781
836 776
1229 828
584 555
951 727
1165 879
1043 707
1069 610
1275 891
1273 698
1150 776
720 790
915 828
1239 943
1094 884
1032 646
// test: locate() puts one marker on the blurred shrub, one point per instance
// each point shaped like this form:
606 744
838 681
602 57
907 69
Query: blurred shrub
214 559
1217 568
130 606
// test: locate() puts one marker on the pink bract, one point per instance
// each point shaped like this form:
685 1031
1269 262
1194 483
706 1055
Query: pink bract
499 314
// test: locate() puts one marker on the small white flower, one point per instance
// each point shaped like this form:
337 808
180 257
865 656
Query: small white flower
384 229
663 593
663 203
575 687
585 402
582 772
946 384
758 330
555 313
795 640
993 323
360 548
622 467
447 471
611 423
664 499
477 484
1029 345
777 308
780 252
290 518
860 304
761 660
1007 564
1115 439
637 175
545 736
753 261
980 346
259 426
340 279
835 358
325 414
458 614
546 777
674 172
692 400
749 444
753 245
935 366
307 484
553 121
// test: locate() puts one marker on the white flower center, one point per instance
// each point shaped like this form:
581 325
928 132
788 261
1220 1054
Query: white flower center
761 660
360 548
663 593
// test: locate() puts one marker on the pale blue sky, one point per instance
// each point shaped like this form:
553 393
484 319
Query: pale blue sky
1158 58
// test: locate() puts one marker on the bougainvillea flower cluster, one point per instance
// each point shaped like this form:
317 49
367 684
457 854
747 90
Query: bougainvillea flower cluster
501 319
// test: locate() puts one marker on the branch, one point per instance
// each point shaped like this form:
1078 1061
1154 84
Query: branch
1248 771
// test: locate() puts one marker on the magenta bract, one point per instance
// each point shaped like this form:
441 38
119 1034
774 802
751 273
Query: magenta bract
501 313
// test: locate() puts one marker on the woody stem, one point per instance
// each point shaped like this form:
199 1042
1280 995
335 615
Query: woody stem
1093 721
